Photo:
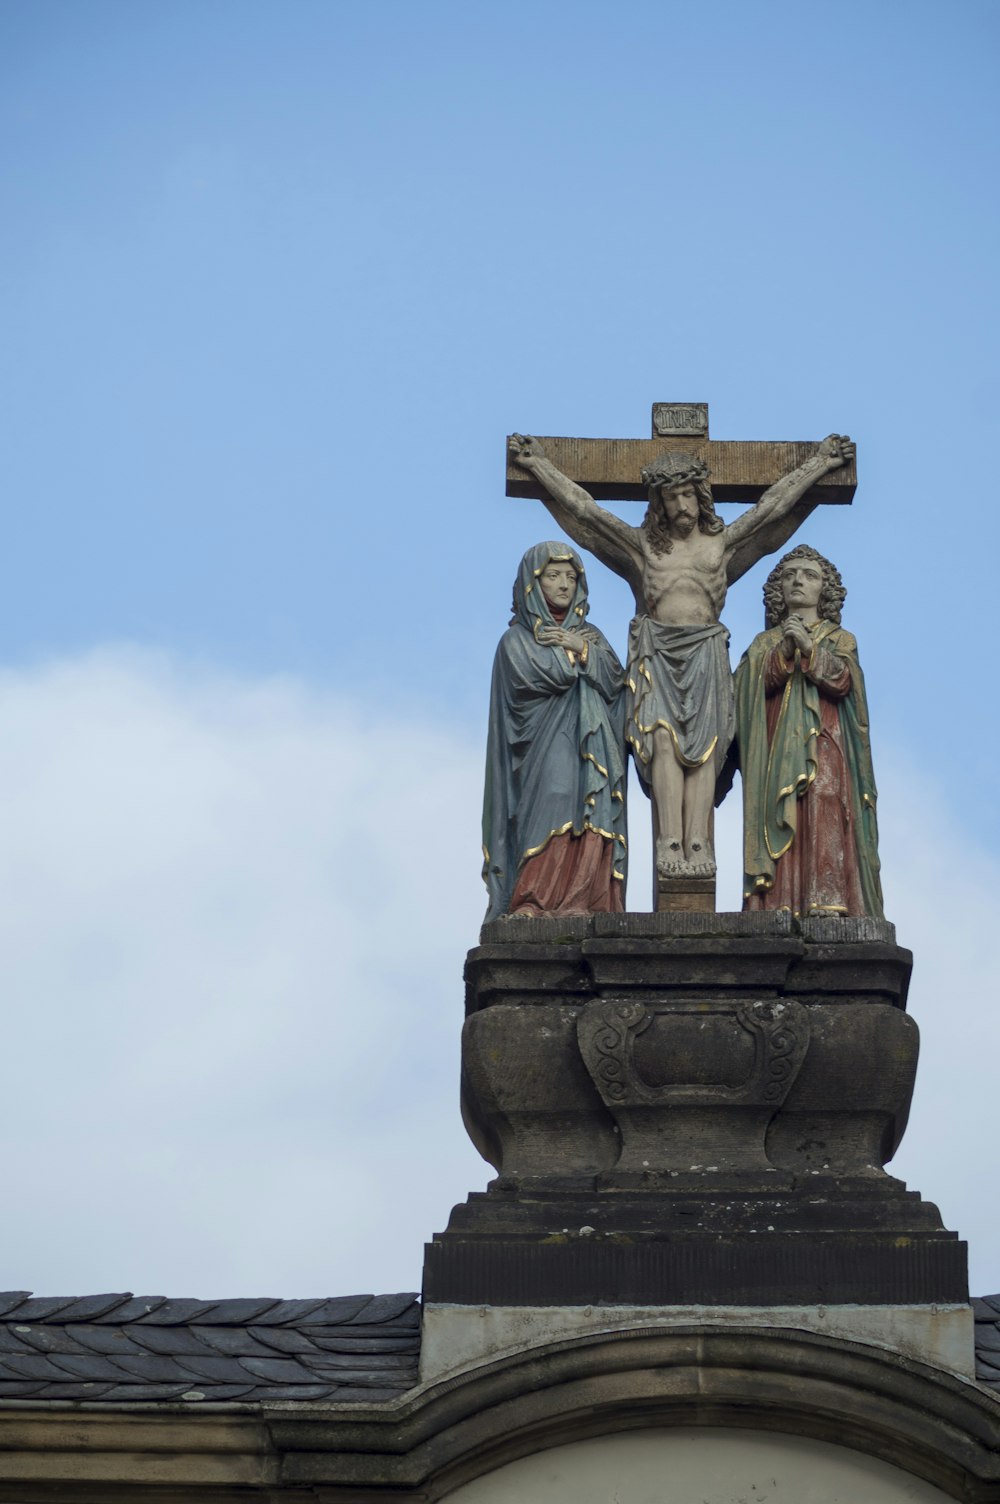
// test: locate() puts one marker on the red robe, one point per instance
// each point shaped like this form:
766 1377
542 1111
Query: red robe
573 875
819 872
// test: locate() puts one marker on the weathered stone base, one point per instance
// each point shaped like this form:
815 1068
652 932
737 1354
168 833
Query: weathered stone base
459 1337
692 1110
767 1239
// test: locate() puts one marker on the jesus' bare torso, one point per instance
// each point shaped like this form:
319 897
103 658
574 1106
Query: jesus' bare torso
680 563
687 586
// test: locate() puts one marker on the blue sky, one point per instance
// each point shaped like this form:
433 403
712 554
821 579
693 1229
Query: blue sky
275 281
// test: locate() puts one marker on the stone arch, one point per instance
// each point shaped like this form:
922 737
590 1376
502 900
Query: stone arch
870 1400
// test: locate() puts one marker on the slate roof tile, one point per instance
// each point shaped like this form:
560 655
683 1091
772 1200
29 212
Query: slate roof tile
288 1312
240 1312
338 1343
237 1341
92 1307
122 1348
45 1339
216 1370
368 1362
153 1369
77 1391
349 1396
87 1366
11 1341
270 1339
176 1312
218 1392
301 1392
42 1307
144 1392
357 1378
382 1308
135 1306
986 1310
169 1339
34 1366
335 1312
99 1339
988 1337
8 1370
278 1370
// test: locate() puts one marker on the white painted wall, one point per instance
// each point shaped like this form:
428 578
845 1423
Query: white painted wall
698 1465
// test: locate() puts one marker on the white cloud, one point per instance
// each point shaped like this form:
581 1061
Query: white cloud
232 922
233 916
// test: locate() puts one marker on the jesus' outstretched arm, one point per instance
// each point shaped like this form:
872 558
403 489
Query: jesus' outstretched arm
763 528
600 532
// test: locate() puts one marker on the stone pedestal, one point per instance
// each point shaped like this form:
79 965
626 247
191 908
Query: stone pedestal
691 1110
684 895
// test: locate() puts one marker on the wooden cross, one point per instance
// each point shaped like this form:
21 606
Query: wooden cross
740 470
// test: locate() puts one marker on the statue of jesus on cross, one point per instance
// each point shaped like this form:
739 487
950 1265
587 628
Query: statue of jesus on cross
679 562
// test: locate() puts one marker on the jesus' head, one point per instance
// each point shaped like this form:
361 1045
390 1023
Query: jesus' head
680 499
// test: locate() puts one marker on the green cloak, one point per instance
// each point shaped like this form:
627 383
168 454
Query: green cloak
777 775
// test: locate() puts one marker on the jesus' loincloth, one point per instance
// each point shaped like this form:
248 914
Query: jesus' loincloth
678 679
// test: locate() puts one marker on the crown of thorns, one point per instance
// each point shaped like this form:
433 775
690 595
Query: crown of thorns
674 470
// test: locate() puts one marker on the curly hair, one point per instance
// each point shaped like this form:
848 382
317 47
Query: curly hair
667 472
831 598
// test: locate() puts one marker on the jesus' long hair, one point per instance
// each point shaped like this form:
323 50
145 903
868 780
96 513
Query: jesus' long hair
666 473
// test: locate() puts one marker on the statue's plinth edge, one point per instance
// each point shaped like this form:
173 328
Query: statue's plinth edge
575 960
825 930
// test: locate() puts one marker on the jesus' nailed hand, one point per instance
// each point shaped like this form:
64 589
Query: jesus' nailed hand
679 562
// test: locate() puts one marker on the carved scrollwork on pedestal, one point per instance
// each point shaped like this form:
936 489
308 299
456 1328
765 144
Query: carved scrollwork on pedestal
609 1054
779 1031
782 1030
693 1081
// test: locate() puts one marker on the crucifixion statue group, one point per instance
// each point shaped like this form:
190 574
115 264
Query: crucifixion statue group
564 711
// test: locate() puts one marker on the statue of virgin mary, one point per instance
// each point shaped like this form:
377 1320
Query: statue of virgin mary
554 831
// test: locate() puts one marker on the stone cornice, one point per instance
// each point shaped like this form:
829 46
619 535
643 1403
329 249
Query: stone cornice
436 1437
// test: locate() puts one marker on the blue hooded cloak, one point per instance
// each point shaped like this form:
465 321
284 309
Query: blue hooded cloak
555 758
